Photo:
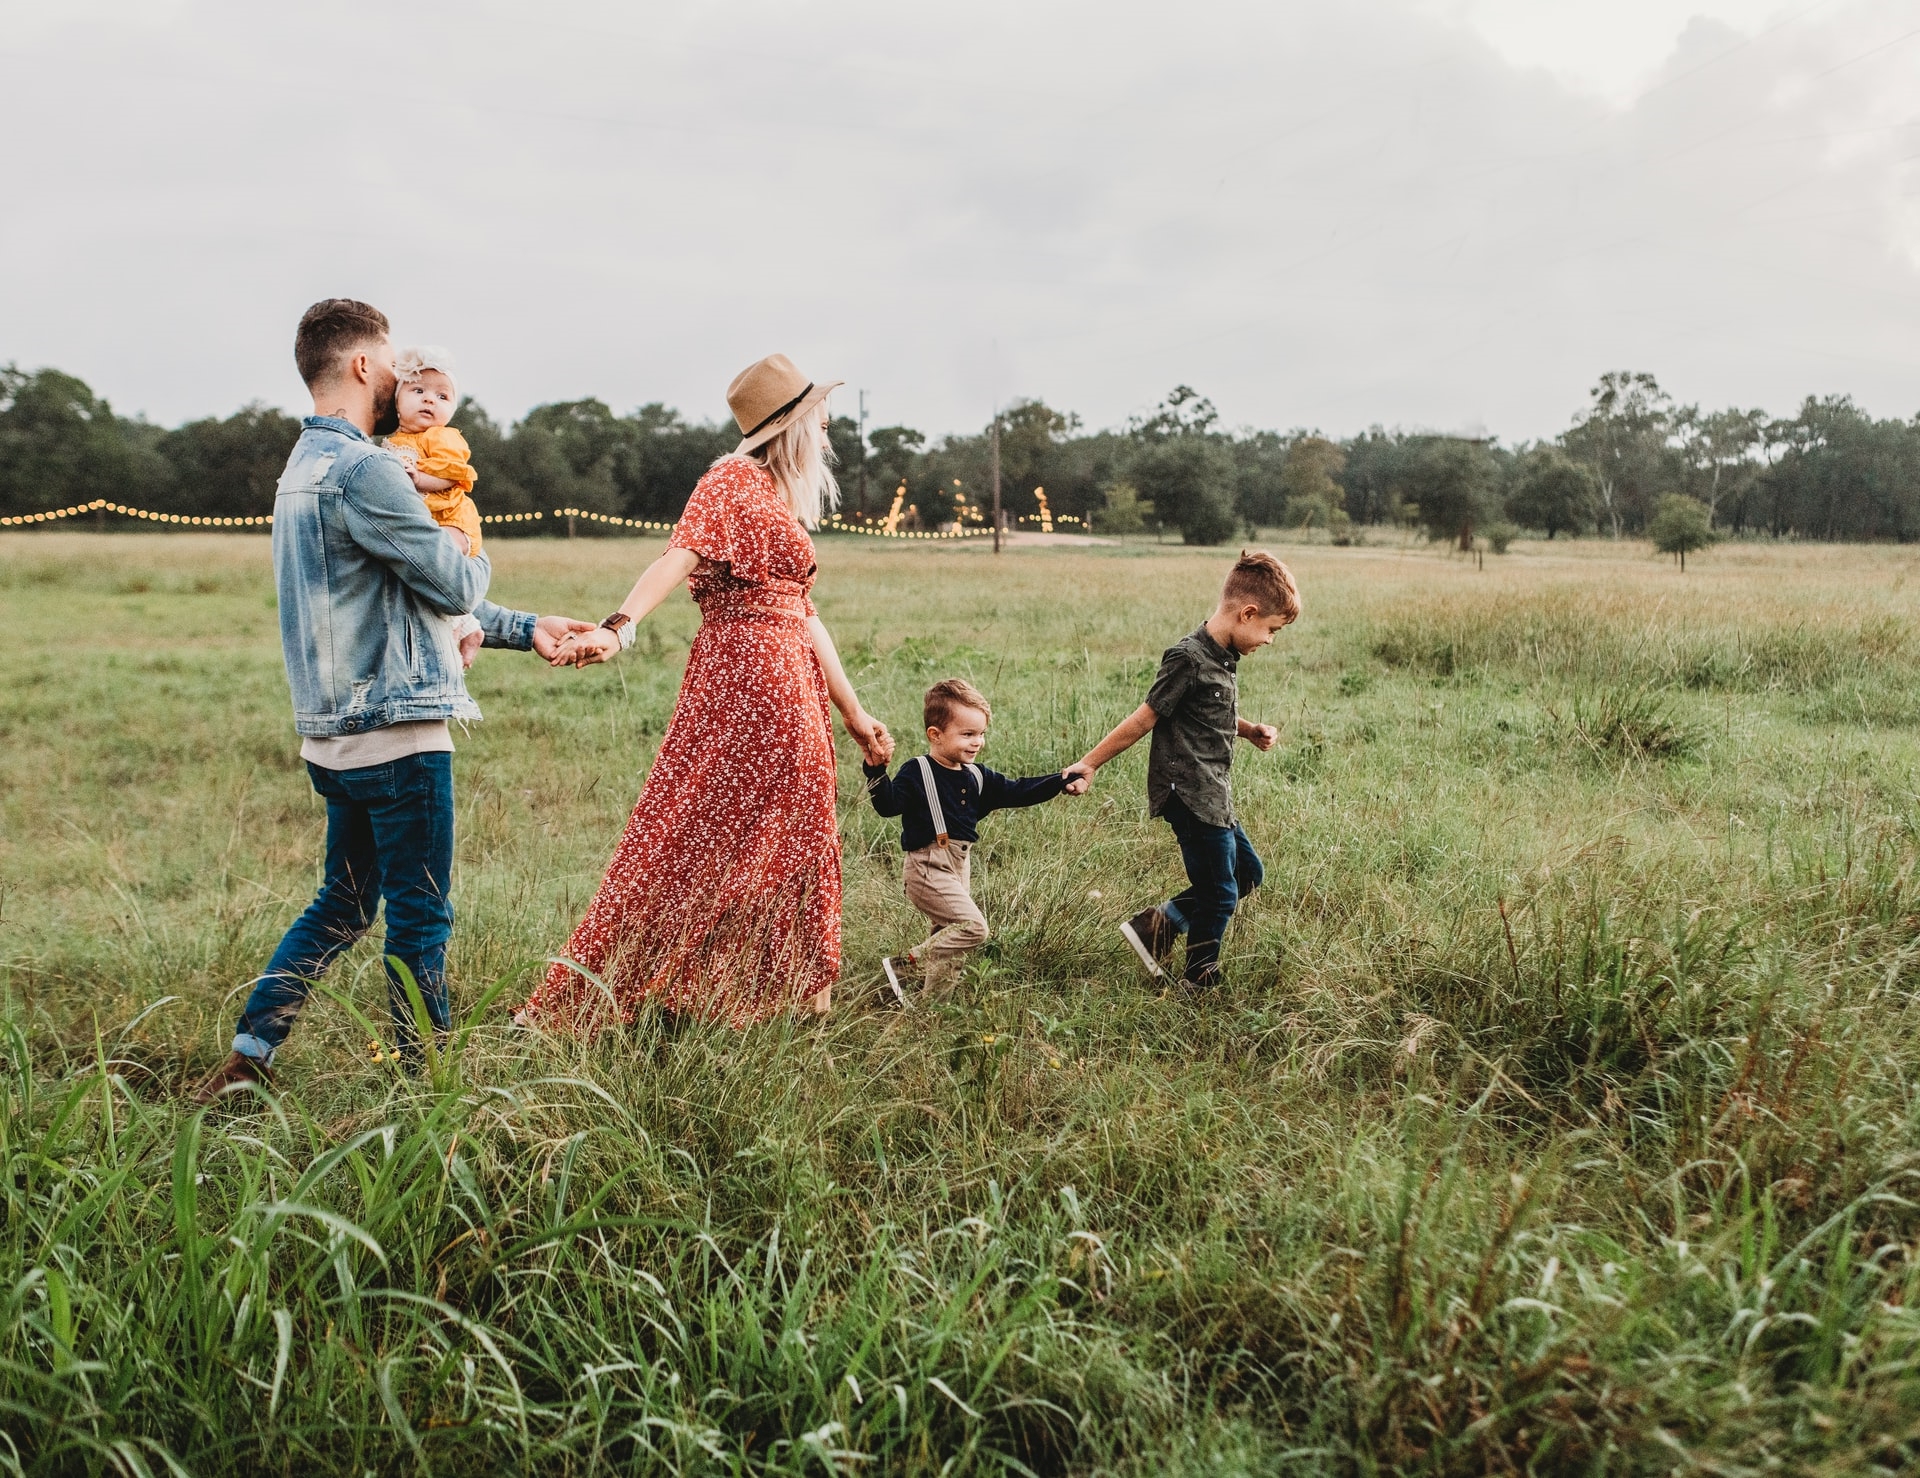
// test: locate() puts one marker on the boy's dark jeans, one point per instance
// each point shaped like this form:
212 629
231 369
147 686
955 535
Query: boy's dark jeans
389 835
1222 868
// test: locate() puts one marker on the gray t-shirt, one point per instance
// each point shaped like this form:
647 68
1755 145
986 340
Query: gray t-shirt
1195 698
378 746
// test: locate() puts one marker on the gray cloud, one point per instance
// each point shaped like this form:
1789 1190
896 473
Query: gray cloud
1317 215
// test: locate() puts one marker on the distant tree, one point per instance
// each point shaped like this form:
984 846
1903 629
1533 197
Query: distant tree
1189 480
1185 468
1680 525
1841 474
892 451
1125 512
564 456
1723 452
62 444
1451 482
228 468
1185 412
1551 491
1260 463
1371 478
849 456
1624 438
1312 497
658 456
1036 452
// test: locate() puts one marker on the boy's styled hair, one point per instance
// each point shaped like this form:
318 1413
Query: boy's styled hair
951 693
415 360
1260 578
328 330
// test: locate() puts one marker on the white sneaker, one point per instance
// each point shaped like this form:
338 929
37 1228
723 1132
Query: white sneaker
1152 920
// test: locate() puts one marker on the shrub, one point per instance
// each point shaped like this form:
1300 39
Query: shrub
1680 525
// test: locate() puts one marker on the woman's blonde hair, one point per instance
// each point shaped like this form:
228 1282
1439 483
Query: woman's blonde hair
800 459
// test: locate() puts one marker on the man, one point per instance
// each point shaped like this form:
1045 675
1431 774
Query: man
365 577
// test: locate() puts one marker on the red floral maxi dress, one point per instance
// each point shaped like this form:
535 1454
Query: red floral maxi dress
723 897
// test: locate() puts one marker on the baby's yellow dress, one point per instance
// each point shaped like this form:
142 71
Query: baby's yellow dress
442 452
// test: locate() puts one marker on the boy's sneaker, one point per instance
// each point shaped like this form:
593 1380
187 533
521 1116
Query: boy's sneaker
237 1069
893 968
1152 935
1201 982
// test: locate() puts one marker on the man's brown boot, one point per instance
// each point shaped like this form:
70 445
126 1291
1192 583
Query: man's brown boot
238 1068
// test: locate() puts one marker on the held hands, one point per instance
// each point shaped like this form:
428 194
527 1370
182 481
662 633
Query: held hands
550 632
584 648
876 744
1079 777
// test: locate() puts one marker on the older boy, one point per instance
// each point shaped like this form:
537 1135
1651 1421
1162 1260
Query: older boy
1192 711
941 799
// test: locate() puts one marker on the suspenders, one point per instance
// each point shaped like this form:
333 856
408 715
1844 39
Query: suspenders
933 794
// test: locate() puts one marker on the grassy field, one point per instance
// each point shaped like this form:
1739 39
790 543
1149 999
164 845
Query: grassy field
1559 1114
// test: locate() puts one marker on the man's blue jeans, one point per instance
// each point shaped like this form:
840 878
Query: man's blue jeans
389 836
1222 868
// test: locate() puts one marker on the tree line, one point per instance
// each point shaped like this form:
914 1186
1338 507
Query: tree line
1830 471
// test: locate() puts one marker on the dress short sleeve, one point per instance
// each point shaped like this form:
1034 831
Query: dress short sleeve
733 518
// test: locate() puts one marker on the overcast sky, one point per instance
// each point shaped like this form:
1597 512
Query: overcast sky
1434 213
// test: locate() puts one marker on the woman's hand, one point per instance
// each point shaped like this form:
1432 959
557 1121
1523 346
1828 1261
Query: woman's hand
876 744
584 648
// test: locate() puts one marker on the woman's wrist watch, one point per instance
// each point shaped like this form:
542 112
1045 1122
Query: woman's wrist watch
621 625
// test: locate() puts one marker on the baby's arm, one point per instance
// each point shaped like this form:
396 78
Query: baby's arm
428 484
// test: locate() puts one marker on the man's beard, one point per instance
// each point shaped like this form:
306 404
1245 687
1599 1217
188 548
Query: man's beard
386 410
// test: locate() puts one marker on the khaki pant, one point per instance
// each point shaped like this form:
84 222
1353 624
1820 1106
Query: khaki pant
939 884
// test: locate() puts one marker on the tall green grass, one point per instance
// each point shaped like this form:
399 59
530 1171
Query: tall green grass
1557 1115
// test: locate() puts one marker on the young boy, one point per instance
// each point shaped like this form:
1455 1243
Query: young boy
1193 713
437 459
940 799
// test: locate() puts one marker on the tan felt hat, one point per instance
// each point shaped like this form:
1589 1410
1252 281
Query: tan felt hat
770 396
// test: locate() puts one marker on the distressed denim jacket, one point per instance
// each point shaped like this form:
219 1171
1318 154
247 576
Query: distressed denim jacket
365 578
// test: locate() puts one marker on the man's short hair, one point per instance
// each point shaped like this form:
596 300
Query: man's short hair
1258 577
328 330
951 693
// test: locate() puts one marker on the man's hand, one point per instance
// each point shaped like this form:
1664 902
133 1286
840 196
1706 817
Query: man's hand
1261 736
470 645
1079 776
550 631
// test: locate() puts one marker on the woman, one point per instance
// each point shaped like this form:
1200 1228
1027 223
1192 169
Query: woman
723 897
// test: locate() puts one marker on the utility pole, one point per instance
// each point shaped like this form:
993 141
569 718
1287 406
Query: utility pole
863 451
996 479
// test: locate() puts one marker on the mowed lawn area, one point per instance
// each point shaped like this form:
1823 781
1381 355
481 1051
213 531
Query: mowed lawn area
1558 1114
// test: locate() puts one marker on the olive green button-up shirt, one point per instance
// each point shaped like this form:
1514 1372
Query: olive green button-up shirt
1195 699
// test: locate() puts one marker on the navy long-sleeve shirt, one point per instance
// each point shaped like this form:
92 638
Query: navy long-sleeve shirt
963 801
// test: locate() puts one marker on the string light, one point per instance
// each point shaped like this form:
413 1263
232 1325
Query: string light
54 515
188 520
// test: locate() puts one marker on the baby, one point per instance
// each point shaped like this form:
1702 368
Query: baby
436 458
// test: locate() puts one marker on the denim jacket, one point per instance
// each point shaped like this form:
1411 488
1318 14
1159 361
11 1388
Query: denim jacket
366 579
